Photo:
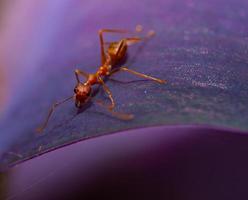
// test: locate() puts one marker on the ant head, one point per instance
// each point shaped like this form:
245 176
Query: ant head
82 94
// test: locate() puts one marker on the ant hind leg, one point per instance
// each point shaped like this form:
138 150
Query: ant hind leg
139 74
103 55
138 29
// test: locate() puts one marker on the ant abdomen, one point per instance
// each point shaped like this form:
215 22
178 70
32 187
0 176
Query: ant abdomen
117 50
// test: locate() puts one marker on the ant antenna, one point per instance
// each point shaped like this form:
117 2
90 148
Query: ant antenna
41 128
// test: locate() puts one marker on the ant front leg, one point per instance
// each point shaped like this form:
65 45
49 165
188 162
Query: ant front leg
81 73
122 116
138 74
107 90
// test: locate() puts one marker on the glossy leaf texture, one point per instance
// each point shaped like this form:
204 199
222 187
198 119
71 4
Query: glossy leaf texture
200 47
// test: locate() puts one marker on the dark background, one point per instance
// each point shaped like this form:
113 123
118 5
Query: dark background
154 163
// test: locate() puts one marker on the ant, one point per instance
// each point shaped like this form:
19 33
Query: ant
111 57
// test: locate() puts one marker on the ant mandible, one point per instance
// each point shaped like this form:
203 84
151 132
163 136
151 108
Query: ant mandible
114 54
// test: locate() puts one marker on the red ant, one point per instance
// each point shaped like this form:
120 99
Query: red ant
115 53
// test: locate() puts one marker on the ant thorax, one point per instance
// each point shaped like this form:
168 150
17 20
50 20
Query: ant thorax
104 70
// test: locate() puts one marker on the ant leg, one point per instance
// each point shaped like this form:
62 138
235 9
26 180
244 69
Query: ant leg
107 90
134 40
81 73
138 29
126 41
103 55
41 128
138 74
122 116
131 40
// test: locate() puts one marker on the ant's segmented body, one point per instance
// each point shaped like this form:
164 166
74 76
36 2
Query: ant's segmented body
114 54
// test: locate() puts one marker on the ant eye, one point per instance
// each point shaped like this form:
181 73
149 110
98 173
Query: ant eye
75 90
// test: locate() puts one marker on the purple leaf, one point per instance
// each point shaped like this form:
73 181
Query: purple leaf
200 47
